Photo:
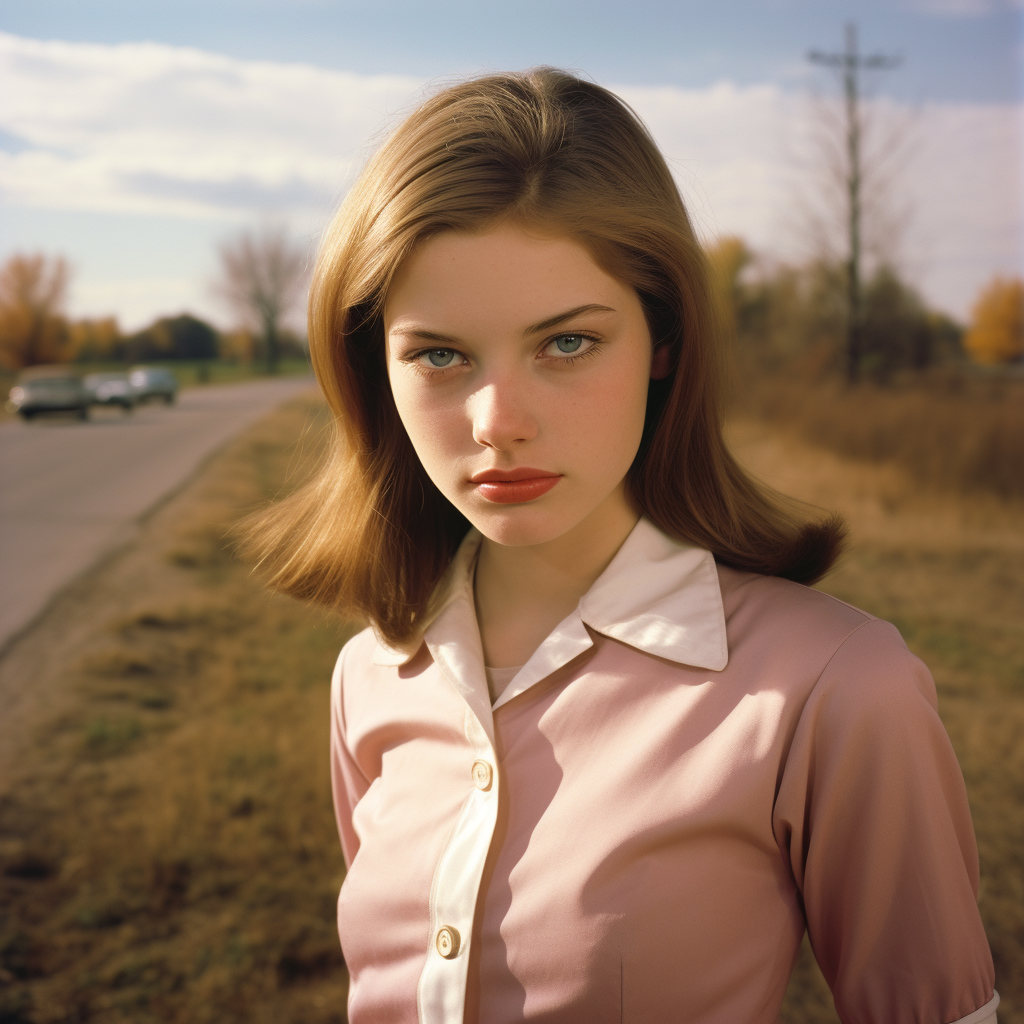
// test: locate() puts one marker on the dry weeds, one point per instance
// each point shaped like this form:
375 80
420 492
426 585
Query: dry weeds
946 430
949 572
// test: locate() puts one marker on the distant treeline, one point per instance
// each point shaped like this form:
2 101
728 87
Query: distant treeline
796 316
170 337
943 401
35 329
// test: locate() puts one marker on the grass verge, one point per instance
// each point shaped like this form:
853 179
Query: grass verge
167 850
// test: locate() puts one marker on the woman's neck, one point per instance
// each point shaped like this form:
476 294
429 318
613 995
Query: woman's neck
522 593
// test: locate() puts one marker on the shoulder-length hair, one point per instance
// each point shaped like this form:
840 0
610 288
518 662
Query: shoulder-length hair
371 535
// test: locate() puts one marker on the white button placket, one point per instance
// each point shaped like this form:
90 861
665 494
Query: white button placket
442 987
454 644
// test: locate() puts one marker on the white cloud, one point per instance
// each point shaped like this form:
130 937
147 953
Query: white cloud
723 145
147 129
749 163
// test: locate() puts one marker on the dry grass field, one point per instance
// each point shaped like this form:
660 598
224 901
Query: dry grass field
167 850
949 572
953 428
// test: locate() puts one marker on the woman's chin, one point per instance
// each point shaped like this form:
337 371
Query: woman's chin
524 525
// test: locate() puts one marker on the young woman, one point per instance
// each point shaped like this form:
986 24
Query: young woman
600 755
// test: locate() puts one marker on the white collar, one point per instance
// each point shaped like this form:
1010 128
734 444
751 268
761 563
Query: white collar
657 594
661 596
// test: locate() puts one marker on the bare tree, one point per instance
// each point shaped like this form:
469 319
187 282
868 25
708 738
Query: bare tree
32 325
850 63
262 278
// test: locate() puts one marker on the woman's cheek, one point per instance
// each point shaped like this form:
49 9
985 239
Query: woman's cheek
440 435
608 425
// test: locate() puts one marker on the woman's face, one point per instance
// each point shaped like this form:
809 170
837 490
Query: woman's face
520 371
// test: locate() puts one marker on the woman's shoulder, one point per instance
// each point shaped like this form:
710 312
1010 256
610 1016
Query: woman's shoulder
356 661
774 603
365 658
769 619
360 645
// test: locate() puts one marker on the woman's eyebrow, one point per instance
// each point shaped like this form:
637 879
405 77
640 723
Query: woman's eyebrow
559 318
537 328
422 335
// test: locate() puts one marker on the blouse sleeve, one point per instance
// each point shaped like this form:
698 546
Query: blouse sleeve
872 813
348 783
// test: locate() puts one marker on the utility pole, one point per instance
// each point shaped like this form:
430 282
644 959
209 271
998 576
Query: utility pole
850 63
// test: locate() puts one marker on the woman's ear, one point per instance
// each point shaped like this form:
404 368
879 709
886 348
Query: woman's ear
661 361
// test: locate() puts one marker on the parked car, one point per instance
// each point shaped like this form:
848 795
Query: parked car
111 389
49 389
150 382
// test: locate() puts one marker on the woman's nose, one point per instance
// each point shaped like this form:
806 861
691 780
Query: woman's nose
500 416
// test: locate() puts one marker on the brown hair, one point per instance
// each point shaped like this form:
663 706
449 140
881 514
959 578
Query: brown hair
371 534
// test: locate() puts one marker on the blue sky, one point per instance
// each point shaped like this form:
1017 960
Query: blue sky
953 49
134 136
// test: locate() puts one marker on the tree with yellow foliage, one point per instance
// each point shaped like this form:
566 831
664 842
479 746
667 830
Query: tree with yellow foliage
728 257
997 329
32 325
94 339
238 346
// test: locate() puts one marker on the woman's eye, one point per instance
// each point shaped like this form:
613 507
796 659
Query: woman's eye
570 344
437 358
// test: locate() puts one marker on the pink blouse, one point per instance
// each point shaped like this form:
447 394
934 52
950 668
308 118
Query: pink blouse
694 766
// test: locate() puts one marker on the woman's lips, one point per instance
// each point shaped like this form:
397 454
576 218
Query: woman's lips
511 487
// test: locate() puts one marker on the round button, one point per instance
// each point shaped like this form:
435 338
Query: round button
482 775
448 942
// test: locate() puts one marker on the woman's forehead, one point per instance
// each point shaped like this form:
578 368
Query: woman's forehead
508 272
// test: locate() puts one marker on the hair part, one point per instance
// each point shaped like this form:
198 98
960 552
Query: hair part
371 535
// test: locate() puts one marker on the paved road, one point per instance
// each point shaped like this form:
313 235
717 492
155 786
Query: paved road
71 491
